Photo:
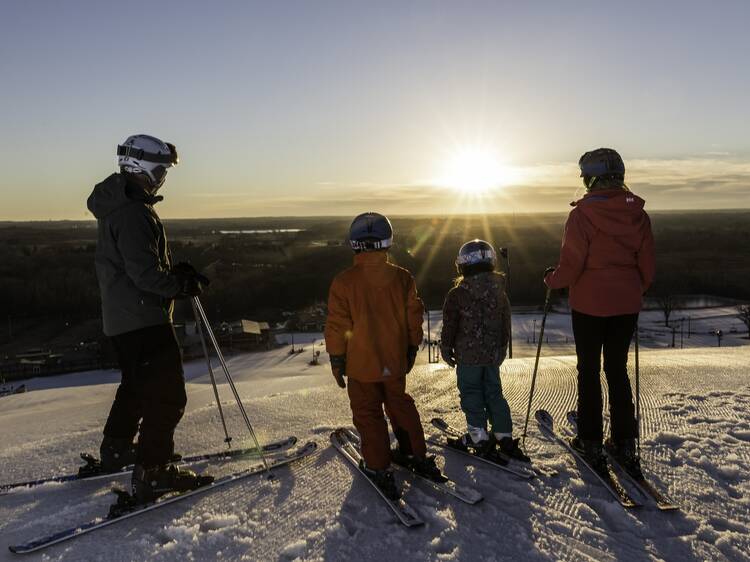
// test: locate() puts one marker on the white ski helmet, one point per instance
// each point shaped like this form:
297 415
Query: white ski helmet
476 251
144 154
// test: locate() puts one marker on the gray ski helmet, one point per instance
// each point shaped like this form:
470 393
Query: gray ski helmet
370 232
476 251
144 154
602 163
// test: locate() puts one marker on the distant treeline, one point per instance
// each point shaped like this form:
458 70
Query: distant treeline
47 269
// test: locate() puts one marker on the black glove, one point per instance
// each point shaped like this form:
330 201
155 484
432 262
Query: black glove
411 357
338 368
190 280
186 268
448 356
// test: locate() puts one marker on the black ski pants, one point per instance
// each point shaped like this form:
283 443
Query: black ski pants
611 335
152 392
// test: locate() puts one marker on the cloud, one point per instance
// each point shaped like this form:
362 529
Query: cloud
687 183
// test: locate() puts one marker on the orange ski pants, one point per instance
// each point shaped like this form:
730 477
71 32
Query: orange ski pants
367 400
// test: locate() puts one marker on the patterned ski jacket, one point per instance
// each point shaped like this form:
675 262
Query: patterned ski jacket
476 320
374 315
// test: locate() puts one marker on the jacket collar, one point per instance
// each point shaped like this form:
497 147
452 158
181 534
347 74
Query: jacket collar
371 258
137 193
599 195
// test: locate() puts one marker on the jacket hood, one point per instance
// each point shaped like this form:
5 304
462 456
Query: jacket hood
113 194
614 211
478 284
380 271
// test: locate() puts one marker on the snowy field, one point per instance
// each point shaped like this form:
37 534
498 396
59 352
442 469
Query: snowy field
696 410
692 328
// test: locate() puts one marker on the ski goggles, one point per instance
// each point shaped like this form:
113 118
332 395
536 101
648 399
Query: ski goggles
139 154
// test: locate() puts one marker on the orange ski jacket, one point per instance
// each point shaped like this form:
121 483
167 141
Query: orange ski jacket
374 315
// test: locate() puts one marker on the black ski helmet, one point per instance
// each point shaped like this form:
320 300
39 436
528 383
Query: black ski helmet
599 164
370 232
474 253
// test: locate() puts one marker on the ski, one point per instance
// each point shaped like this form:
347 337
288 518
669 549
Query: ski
463 493
662 501
102 522
496 461
405 513
91 470
445 427
608 479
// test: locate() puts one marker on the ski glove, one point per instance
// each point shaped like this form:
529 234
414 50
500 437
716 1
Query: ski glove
191 281
338 368
448 356
411 357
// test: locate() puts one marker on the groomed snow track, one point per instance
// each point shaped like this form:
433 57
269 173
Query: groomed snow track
696 428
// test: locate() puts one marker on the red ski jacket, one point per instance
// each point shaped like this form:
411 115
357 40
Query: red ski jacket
607 256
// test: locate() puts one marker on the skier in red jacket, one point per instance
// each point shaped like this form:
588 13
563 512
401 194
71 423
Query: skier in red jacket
607 261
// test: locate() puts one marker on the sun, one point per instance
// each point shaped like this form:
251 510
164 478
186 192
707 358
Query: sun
474 170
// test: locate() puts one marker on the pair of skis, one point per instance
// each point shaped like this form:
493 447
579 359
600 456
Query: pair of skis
662 500
497 459
92 469
609 479
347 442
101 522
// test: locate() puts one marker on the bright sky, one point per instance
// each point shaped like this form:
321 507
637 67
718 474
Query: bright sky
333 108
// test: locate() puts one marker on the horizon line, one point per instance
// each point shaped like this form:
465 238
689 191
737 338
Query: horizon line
390 215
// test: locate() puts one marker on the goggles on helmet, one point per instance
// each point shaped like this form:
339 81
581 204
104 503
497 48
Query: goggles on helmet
139 154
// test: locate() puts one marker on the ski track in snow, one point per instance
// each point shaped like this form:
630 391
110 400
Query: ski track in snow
696 446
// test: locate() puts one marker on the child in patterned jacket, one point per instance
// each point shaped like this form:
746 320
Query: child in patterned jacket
474 339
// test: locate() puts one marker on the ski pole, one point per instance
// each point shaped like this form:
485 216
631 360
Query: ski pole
637 395
536 362
504 253
227 439
228 376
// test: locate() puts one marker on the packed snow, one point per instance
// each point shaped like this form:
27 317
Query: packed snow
696 446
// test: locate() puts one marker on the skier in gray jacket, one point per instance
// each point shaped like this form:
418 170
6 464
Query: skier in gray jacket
138 285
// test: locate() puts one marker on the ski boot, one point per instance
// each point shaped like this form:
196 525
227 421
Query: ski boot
593 452
383 479
625 453
115 453
424 467
475 439
509 447
148 484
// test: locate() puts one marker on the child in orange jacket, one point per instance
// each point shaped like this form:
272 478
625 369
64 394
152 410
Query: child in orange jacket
373 331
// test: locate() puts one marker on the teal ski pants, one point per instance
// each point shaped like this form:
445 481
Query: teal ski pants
482 397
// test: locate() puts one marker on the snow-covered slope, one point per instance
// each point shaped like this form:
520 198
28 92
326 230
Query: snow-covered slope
696 406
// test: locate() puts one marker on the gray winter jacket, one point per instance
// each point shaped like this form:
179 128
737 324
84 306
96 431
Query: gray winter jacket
132 258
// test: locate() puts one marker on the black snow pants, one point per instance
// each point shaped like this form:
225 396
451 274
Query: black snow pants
152 392
612 335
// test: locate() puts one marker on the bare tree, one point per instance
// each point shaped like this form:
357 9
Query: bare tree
743 313
667 304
